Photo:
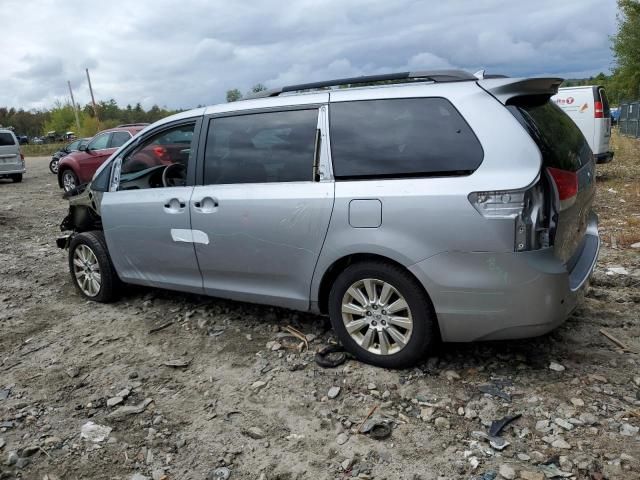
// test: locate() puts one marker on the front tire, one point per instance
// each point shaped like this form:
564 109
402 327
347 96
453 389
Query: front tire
53 165
382 315
91 267
69 180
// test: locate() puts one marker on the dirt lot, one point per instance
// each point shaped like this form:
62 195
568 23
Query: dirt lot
248 400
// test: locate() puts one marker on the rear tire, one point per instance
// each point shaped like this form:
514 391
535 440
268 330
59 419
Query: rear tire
91 267
17 178
405 333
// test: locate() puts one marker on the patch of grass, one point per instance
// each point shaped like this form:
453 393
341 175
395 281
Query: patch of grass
45 149
618 193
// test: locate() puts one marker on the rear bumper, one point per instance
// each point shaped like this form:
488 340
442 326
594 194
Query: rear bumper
603 157
494 296
12 170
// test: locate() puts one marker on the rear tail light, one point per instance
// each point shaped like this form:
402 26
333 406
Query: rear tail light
505 204
567 185
598 111
22 156
523 208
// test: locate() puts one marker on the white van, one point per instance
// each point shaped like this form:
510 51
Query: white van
588 107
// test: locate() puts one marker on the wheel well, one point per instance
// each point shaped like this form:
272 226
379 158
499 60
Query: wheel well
339 265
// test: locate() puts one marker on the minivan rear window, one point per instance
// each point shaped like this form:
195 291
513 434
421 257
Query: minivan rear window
406 137
559 139
6 139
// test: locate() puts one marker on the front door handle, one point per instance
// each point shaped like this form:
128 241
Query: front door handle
174 205
206 205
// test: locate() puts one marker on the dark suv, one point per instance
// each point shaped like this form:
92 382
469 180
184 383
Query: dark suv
78 167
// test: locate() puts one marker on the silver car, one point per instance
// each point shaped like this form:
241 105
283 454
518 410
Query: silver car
436 206
11 159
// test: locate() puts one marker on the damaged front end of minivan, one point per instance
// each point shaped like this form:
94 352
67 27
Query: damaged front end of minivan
83 216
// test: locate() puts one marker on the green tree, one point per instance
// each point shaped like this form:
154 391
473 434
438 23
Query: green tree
258 87
234 95
626 50
62 119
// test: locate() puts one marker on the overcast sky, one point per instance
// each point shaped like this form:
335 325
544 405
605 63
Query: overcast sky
183 53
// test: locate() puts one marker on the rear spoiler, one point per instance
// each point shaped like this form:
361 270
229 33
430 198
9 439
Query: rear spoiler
504 89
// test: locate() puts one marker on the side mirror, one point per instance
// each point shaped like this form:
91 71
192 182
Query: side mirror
83 148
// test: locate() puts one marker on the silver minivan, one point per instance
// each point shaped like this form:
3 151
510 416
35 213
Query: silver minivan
11 159
423 206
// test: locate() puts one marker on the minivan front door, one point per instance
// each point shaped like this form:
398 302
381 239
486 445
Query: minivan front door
146 219
262 212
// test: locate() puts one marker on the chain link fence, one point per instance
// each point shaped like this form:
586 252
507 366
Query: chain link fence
629 121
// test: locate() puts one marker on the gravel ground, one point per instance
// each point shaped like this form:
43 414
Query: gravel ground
224 386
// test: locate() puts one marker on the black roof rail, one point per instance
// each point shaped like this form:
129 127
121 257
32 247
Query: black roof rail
133 125
437 76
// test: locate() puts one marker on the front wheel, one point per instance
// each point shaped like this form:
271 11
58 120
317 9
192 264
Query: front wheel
69 180
382 315
53 165
91 268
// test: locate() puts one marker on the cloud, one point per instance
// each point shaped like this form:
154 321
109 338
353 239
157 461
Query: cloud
181 54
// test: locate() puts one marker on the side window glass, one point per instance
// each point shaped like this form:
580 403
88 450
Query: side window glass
73 146
159 161
100 142
119 138
261 148
401 138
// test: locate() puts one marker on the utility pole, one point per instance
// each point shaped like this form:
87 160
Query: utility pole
75 110
93 100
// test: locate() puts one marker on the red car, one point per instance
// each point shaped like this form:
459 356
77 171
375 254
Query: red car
78 167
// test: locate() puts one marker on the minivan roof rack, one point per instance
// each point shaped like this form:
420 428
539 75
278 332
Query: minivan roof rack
437 76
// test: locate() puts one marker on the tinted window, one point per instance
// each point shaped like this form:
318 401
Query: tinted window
261 147
559 139
73 146
100 142
6 139
119 138
401 137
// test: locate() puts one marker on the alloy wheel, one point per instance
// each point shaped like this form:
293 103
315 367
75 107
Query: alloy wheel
87 270
68 180
377 316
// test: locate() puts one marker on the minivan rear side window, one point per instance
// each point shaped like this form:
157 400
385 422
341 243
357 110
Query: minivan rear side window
261 147
6 139
404 137
559 139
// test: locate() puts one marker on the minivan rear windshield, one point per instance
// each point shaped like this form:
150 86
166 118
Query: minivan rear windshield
6 139
559 139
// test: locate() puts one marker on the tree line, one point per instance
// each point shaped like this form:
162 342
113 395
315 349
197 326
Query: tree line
61 118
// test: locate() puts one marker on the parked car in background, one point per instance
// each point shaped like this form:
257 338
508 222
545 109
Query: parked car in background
588 107
66 150
22 139
357 203
78 167
37 140
11 159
